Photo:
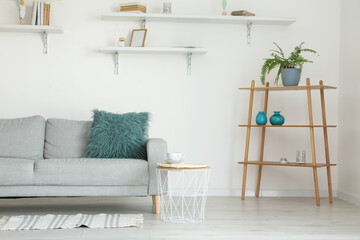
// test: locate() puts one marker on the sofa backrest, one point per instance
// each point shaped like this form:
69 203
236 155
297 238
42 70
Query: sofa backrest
22 137
66 138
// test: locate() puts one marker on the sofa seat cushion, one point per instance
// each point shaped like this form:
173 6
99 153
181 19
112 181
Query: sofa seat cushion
22 137
66 138
91 172
16 171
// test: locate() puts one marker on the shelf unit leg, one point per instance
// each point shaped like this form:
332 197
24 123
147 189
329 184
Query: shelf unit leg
249 25
247 139
116 63
312 140
263 131
189 64
326 142
45 43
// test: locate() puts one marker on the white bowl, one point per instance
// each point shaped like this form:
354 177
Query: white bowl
175 156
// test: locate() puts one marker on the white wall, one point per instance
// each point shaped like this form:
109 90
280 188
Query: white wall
198 114
349 112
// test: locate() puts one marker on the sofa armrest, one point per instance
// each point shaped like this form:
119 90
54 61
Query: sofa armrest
156 153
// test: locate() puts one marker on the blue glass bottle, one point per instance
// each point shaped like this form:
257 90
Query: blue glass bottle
277 119
261 118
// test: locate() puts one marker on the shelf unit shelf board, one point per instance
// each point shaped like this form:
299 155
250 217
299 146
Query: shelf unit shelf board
154 50
312 87
30 28
289 164
295 126
158 17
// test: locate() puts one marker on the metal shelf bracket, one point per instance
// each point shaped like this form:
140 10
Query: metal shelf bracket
249 24
45 43
116 63
189 64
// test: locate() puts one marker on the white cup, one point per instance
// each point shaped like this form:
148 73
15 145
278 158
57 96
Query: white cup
175 156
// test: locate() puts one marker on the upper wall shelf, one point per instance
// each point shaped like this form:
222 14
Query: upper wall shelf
158 17
32 29
154 50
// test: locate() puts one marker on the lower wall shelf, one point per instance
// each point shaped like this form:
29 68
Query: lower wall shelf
154 50
289 164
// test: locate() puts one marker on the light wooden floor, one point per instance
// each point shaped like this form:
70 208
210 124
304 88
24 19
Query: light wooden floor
226 218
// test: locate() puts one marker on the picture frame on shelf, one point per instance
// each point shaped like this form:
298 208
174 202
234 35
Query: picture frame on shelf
138 37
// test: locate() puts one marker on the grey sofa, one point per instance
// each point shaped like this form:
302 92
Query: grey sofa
44 158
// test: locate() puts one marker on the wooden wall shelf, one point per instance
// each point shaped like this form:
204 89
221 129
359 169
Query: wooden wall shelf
314 165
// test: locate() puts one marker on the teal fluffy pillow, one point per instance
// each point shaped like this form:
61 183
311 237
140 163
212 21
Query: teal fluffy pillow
118 135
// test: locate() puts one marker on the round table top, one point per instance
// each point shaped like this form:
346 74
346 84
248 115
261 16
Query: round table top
182 166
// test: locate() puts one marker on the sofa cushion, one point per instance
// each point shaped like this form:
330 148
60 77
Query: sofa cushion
91 172
22 137
118 135
66 138
16 171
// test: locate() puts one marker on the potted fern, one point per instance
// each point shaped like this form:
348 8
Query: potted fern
289 68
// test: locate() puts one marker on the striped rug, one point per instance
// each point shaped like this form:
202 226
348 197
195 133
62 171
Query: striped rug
50 221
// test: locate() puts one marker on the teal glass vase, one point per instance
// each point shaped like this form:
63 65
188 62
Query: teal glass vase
277 118
261 118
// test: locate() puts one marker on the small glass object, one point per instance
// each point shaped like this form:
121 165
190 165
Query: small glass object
224 3
121 42
167 7
283 161
300 156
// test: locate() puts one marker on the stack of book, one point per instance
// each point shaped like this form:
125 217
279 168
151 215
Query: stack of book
40 13
242 13
133 7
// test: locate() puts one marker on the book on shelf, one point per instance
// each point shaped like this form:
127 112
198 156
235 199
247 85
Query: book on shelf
134 11
34 10
242 13
133 8
48 16
40 13
133 4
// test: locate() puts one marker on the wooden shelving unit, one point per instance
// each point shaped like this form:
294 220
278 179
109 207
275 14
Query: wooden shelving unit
314 165
17 28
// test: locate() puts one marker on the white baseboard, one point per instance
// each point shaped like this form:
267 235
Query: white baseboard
349 197
269 193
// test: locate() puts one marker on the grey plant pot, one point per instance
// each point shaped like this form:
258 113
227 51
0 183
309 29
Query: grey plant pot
290 76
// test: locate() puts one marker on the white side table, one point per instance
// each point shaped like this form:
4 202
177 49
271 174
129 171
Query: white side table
183 189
